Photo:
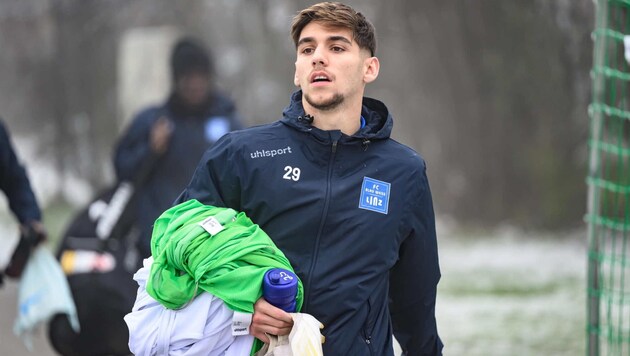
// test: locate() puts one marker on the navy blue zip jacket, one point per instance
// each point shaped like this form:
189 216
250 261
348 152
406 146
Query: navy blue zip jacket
15 184
160 178
354 216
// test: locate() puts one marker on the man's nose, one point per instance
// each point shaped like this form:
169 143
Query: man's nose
319 58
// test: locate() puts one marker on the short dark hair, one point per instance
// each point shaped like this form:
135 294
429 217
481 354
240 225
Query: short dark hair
336 14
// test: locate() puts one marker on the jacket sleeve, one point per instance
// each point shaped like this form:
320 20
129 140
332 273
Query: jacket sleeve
414 278
216 179
133 156
15 184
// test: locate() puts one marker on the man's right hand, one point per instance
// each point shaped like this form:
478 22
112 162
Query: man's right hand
268 319
161 134
32 234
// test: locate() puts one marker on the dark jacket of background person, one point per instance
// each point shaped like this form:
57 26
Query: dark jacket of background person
15 183
161 176
304 187
16 186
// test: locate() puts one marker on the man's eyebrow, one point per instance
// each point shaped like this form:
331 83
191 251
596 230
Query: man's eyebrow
339 38
329 39
305 40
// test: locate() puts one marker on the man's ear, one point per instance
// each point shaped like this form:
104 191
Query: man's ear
371 66
296 81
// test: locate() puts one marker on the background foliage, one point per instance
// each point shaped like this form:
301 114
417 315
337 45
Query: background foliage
492 93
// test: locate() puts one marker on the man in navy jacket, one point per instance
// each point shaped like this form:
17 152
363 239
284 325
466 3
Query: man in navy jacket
349 206
161 148
16 186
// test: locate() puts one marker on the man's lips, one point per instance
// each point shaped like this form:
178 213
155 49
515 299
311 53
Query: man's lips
319 77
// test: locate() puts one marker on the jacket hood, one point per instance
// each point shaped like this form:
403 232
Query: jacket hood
378 121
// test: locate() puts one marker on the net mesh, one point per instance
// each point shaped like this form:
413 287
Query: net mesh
608 217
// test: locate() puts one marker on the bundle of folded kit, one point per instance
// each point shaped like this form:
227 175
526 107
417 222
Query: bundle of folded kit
196 293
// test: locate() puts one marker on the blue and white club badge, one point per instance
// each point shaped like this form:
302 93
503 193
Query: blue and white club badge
216 127
374 195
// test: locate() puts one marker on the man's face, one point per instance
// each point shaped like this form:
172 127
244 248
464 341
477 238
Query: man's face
192 87
330 67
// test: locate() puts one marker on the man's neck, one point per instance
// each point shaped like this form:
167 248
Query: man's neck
345 118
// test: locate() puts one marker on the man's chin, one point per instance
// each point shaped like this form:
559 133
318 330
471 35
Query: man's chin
324 103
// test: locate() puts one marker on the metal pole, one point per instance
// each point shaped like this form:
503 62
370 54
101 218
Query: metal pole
593 202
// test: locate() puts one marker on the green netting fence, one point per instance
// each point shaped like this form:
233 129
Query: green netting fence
608 217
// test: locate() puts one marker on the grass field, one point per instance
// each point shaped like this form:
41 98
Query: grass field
512 294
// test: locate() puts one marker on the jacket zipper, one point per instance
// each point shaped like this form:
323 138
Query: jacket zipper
368 342
322 222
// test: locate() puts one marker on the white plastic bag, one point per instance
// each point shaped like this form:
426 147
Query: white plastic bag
43 292
304 339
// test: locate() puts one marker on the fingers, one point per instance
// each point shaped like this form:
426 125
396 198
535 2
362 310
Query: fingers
35 231
164 123
38 227
268 319
161 134
40 230
264 307
259 335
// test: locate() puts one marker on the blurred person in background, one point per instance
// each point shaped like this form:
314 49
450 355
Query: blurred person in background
16 186
163 144
349 207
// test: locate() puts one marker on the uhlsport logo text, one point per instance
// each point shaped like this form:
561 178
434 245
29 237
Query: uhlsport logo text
270 153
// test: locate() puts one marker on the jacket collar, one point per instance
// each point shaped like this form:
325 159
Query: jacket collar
378 126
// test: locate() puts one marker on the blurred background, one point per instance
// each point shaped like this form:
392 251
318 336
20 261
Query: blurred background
493 94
